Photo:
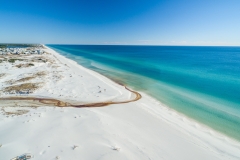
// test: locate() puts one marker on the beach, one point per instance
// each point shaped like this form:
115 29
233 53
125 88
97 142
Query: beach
141 129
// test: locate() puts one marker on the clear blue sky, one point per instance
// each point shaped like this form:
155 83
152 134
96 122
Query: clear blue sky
157 22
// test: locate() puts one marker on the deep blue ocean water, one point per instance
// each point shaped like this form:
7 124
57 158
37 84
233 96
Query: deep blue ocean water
201 82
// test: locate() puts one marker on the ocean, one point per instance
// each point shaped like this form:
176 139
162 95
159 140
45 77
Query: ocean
202 83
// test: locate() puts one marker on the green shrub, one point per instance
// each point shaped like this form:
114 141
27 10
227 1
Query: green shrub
12 60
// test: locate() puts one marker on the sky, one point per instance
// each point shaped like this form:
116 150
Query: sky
121 22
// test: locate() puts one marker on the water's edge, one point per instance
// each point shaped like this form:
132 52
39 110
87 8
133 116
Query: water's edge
104 70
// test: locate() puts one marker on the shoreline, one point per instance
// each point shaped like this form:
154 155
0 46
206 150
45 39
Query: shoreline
205 127
181 114
145 127
191 120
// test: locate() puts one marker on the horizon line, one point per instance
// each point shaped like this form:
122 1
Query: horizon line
128 44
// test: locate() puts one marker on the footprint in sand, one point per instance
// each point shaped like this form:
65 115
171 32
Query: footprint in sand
43 152
77 116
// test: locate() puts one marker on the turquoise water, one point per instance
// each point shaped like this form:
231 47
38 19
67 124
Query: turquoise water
200 82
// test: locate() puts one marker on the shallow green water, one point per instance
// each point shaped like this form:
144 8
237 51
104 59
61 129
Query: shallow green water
200 82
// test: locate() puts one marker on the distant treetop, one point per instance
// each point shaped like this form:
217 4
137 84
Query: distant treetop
18 45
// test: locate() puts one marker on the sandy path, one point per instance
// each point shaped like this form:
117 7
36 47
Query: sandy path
60 103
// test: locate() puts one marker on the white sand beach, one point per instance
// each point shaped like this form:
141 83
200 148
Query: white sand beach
143 130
